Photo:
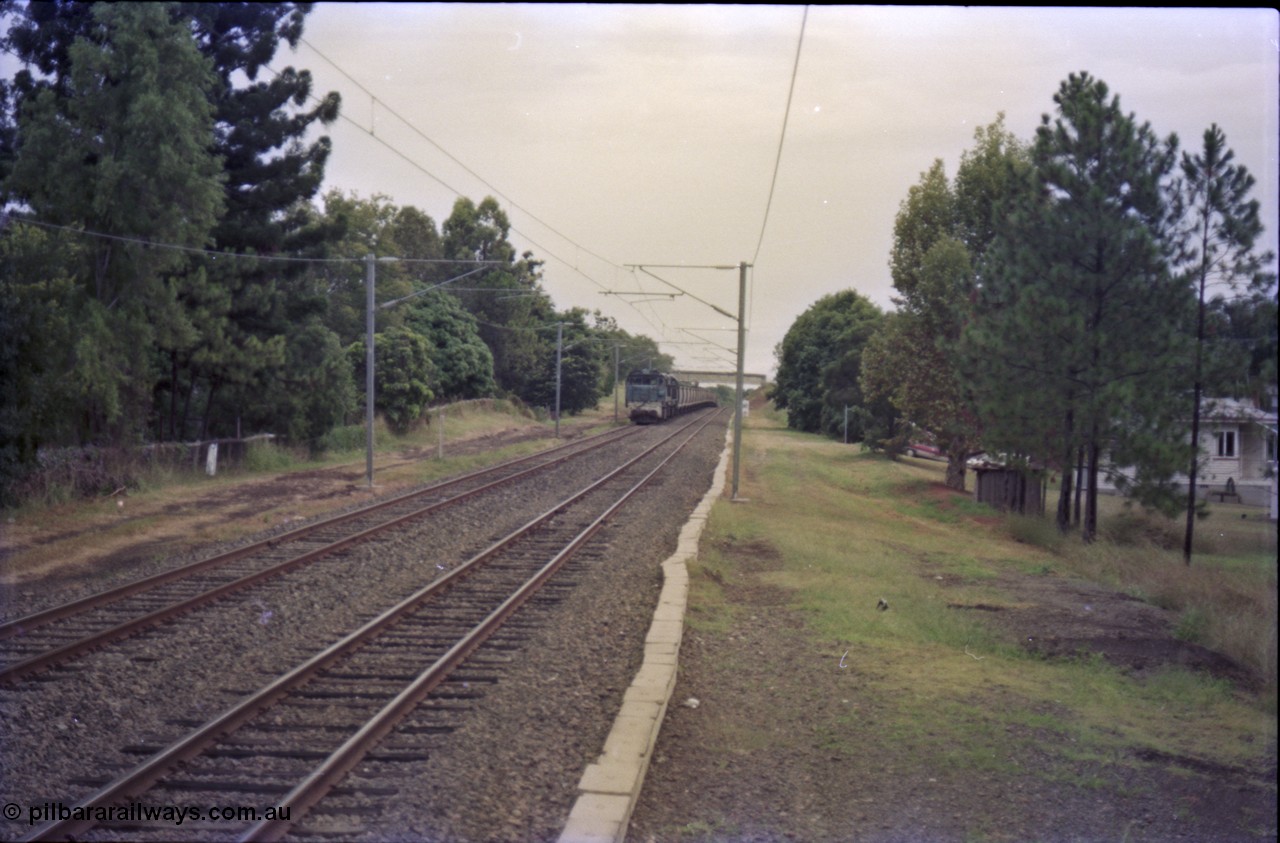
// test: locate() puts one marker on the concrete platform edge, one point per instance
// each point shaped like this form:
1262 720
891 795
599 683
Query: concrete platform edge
609 788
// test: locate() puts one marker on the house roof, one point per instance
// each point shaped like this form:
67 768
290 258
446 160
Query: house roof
1234 410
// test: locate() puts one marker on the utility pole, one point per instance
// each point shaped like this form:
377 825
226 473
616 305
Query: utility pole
738 395
369 271
742 344
559 354
370 283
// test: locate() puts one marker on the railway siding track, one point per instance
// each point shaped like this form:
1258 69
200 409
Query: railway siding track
354 692
39 640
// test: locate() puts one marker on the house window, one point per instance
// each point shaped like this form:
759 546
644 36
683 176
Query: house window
1226 443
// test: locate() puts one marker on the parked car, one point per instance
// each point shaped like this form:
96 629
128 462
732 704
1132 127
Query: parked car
925 451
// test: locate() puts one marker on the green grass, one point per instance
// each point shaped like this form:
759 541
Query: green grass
264 457
844 529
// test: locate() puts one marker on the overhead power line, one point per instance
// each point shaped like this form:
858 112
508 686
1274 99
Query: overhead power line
215 253
218 253
777 161
379 101
403 156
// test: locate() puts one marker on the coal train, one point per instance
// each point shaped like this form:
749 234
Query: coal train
657 396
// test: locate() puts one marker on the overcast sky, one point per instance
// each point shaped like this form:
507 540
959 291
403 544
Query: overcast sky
618 135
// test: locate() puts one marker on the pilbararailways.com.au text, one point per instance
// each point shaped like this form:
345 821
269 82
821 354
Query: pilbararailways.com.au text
141 812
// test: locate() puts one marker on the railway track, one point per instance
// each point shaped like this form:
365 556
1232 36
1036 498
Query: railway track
58 634
291 742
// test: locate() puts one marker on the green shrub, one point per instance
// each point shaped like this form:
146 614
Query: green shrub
348 437
267 456
1193 625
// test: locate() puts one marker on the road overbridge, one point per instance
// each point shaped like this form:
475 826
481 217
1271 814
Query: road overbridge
706 377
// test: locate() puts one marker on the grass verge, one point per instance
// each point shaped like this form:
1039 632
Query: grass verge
840 533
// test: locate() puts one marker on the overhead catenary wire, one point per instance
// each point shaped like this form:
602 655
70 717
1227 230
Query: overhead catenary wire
652 313
218 253
423 170
420 168
456 191
661 328
376 99
786 114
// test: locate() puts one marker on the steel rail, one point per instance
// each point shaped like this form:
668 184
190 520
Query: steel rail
142 777
16 670
18 626
331 771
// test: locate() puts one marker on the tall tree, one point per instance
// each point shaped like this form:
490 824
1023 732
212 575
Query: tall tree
1241 342
463 362
362 227
940 234
911 362
272 161
828 336
1079 340
319 386
129 135
1222 228
265 128
261 127
39 298
581 366
507 299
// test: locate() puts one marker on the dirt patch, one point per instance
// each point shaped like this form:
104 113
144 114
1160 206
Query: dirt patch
1059 618
752 556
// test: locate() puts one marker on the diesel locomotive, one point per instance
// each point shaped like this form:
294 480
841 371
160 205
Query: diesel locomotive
657 396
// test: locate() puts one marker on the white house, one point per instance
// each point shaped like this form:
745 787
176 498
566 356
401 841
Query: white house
1238 443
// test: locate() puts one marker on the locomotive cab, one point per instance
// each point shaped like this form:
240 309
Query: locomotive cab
658 396
651 396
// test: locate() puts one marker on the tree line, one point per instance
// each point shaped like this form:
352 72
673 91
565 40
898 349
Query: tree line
171 270
1065 301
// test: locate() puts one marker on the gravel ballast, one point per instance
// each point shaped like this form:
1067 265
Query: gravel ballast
508 772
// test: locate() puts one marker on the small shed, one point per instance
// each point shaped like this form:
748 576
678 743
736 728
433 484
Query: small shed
1010 489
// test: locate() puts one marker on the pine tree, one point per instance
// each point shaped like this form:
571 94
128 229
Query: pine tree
1221 227
243 317
1080 335
262 119
127 136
